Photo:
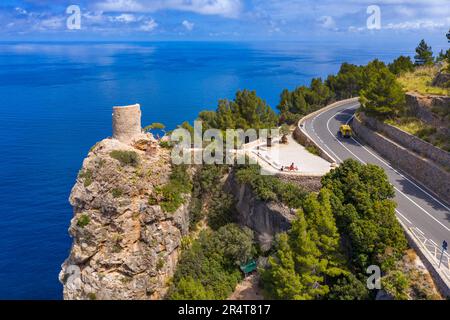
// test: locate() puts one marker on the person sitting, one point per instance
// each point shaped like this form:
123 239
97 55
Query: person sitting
293 167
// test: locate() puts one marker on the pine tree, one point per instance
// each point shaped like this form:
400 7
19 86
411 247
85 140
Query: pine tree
382 96
305 256
401 65
424 54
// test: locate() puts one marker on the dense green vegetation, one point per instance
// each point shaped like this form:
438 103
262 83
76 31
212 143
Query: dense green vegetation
208 198
246 111
348 82
381 95
365 214
171 195
270 188
303 100
424 54
307 256
126 158
209 269
401 65
338 233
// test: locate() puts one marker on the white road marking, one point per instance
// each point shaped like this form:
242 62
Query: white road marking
401 215
401 192
317 136
393 169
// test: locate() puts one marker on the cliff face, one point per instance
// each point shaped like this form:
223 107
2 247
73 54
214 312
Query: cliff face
123 248
265 218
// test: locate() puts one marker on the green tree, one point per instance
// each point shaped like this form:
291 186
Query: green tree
208 269
348 82
424 54
348 287
361 200
155 126
190 289
305 257
401 65
382 96
246 111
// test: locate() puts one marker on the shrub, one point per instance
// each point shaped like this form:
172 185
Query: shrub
126 158
87 176
209 268
269 188
165 144
83 221
313 149
117 192
92 296
170 196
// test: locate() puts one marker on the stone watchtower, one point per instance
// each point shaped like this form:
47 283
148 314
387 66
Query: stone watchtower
127 123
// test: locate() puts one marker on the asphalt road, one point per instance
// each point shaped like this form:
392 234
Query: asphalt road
417 206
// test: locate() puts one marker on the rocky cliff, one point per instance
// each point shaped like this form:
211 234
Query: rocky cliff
123 247
266 219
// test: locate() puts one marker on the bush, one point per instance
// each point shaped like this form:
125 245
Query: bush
126 158
165 144
208 198
313 149
87 176
269 188
117 192
83 221
170 196
209 268
349 288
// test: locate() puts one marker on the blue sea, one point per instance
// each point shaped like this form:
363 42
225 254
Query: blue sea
56 101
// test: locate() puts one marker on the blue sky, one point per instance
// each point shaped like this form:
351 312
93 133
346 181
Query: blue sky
239 20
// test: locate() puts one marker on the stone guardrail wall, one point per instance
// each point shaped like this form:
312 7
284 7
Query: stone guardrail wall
409 141
303 137
424 170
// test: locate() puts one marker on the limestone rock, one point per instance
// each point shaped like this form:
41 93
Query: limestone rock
123 248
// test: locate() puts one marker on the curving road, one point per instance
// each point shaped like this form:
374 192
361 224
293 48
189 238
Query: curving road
417 206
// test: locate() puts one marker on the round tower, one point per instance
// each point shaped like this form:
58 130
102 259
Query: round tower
127 123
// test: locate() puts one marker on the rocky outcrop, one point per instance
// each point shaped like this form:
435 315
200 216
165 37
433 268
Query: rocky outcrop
266 219
442 80
423 107
123 247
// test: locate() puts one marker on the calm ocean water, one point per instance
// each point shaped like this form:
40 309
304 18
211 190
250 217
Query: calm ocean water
55 103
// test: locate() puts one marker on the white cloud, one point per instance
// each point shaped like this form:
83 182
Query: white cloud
149 26
188 25
21 11
50 23
415 25
125 18
226 8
